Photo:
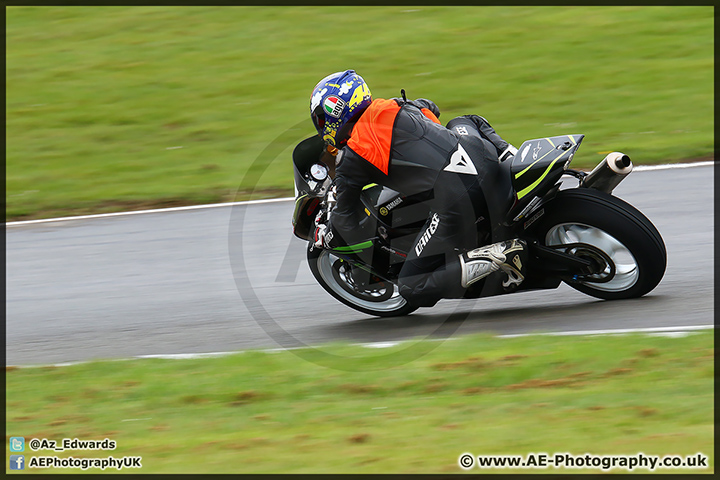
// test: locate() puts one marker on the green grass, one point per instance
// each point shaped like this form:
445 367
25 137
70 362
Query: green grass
97 97
284 412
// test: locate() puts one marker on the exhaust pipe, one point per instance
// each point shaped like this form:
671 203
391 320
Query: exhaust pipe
609 173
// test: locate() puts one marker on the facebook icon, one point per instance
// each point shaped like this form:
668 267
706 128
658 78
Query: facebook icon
17 462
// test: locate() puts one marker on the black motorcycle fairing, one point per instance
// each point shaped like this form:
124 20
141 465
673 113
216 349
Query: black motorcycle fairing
308 192
304 215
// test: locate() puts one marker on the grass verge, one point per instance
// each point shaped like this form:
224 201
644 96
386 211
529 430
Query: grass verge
258 412
110 108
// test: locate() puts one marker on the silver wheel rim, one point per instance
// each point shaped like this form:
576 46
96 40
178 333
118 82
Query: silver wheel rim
325 262
627 270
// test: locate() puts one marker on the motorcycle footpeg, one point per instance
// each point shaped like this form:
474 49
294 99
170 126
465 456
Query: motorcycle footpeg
565 260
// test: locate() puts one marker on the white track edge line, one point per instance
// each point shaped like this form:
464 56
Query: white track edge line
617 331
671 166
192 356
641 168
155 210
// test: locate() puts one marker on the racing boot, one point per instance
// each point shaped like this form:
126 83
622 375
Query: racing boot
508 256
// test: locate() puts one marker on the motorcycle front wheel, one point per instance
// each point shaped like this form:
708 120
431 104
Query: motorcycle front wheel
627 251
379 297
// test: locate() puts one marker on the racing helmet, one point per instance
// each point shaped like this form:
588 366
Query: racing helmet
336 100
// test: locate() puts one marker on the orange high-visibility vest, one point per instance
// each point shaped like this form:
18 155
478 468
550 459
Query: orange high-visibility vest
371 137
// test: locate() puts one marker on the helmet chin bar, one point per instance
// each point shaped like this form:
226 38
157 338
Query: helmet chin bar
343 134
318 119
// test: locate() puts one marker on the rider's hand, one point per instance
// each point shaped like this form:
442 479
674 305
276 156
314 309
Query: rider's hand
323 231
323 236
331 198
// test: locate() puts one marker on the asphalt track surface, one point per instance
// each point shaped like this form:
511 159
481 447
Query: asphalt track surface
178 282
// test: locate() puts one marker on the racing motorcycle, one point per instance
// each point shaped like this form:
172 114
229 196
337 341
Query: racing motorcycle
583 235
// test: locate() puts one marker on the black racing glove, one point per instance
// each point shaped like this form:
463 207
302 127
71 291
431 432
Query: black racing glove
429 104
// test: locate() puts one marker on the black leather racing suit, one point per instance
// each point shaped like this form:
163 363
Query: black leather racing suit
440 162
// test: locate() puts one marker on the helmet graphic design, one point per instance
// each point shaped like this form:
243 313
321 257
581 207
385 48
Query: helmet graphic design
335 100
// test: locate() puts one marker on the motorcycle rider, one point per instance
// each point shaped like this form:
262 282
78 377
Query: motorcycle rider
402 145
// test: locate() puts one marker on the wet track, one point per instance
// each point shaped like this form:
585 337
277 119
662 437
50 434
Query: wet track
164 283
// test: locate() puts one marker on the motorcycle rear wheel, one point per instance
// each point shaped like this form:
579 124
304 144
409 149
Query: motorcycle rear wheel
633 255
334 274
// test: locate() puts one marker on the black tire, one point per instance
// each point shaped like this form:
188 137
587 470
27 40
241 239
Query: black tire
631 241
328 270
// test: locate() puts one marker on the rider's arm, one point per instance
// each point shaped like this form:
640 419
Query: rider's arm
351 175
487 131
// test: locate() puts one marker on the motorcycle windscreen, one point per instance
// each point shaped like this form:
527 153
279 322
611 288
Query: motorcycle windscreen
306 153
